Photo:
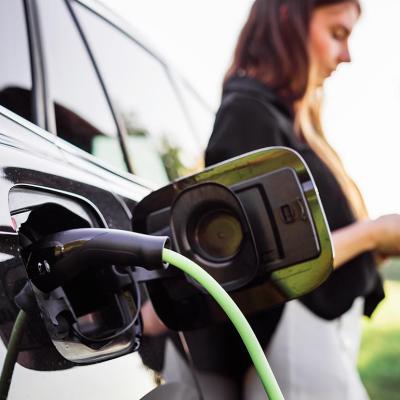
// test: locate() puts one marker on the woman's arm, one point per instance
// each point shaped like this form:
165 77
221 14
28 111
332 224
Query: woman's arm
381 235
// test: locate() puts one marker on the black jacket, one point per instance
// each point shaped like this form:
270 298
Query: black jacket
250 117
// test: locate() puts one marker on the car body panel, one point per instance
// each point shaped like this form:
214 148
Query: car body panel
38 168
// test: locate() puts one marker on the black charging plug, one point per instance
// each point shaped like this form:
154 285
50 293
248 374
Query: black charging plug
58 258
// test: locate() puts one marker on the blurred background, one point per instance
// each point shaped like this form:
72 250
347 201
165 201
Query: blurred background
361 120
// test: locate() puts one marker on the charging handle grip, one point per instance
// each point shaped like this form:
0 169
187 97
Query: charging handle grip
58 258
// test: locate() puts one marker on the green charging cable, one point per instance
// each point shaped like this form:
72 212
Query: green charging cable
216 291
235 315
12 353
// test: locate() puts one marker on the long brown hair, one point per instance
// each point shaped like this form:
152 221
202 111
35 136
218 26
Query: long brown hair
273 47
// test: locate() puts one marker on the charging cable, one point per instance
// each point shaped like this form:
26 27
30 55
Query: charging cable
12 353
241 324
128 248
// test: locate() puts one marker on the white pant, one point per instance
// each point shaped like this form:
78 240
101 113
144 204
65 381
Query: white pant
312 358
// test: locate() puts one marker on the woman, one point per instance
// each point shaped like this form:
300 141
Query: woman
272 96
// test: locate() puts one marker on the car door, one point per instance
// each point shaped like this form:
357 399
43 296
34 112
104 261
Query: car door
38 184
47 184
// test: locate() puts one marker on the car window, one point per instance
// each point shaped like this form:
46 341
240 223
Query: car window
15 70
161 142
201 114
82 114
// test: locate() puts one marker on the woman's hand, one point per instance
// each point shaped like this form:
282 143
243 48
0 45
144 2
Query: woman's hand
381 235
385 233
152 326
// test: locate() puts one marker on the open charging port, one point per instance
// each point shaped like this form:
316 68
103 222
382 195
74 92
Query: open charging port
94 316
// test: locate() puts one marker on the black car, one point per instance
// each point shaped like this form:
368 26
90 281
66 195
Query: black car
91 121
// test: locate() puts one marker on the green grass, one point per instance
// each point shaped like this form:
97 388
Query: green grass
391 271
379 361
